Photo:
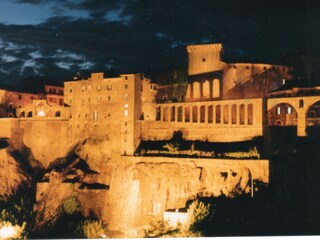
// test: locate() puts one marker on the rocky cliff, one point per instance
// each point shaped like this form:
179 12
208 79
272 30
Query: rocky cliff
13 172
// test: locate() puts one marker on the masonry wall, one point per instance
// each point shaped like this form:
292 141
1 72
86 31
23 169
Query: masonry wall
214 121
47 139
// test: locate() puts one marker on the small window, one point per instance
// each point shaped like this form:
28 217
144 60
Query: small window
89 100
98 99
109 98
165 98
126 86
264 68
247 67
126 97
70 90
126 123
19 96
126 78
278 110
125 113
99 87
95 115
289 110
83 88
203 59
109 87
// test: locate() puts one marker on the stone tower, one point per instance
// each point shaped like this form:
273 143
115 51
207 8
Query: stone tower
204 58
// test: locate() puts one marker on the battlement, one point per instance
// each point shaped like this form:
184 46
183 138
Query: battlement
204 47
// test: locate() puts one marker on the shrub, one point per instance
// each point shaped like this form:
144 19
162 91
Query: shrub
71 205
91 229
197 212
11 231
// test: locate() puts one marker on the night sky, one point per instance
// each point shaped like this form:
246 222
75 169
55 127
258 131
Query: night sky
55 39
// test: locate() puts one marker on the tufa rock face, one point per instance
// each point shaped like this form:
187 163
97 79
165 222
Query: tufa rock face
13 175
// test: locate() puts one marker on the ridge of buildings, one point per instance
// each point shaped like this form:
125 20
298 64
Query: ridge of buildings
216 102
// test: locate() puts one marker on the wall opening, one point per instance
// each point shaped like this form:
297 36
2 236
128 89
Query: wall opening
202 114
218 114
241 114
225 114
179 114
165 114
187 114
216 88
234 114
173 114
194 114
210 114
158 113
250 114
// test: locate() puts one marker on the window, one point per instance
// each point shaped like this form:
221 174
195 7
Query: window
125 113
126 78
278 110
99 87
289 110
126 97
126 105
19 96
125 123
89 88
165 98
109 87
89 100
141 88
98 99
203 59
301 103
109 98
70 90
83 88
126 86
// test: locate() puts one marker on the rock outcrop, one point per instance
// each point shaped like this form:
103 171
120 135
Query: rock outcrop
13 172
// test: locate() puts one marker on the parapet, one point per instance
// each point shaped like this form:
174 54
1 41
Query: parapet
204 47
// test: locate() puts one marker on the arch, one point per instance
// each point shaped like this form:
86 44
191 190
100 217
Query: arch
180 112
187 114
216 88
241 114
22 114
313 114
165 113
282 114
10 115
57 114
202 114
196 90
233 114
210 114
29 115
206 89
158 113
250 114
225 114
40 110
218 114
195 114
173 113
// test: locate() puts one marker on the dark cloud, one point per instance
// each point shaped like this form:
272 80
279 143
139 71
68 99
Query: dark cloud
148 35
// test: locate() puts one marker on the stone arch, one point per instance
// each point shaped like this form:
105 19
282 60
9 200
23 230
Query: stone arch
22 114
179 114
206 89
29 115
187 114
282 114
215 88
202 114
313 114
234 114
241 114
218 114
40 109
158 113
165 113
210 114
225 114
172 113
250 114
195 114
10 115
196 90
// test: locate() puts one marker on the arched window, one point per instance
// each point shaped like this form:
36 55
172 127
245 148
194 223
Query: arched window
173 114
22 114
165 114
216 88
218 114
187 114
29 114
202 114
180 114
158 113
210 114
194 114
233 114
57 114
225 114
